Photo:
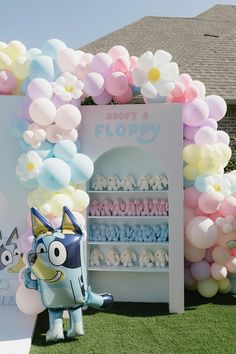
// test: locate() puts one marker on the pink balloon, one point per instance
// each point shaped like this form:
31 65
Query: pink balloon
191 196
117 84
192 253
188 214
122 64
133 62
103 99
191 92
195 112
208 204
94 84
208 255
210 122
201 232
228 206
185 79
199 212
102 64
200 270
29 300
39 88
205 135
217 107
214 216
7 82
118 51
125 98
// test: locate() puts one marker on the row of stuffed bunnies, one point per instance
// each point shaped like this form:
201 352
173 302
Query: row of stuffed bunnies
129 233
129 258
129 183
129 207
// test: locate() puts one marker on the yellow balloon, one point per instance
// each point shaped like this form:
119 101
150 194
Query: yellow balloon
5 61
15 49
191 154
57 203
3 46
226 153
69 190
45 209
207 288
190 172
20 67
80 199
224 286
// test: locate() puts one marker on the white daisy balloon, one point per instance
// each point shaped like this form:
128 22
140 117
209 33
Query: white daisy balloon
68 87
218 187
155 73
28 166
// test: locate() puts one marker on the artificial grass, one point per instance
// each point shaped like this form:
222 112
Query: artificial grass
207 326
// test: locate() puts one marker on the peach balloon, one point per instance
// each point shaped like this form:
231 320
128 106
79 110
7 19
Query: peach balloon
224 238
231 264
218 271
220 255
228 206
193 254
201 232
208 204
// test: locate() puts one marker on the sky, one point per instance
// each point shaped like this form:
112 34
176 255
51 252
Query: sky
78 22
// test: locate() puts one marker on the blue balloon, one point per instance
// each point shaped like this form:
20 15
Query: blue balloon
200 183
25 84
19 127
33 52
54 175
188 183
42 66
65 150
45 150
135 90
52 47
81 168
57 70
24 145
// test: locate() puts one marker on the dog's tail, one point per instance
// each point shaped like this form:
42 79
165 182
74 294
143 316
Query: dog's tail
99 301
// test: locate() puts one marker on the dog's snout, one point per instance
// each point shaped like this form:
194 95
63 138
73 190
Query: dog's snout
32 258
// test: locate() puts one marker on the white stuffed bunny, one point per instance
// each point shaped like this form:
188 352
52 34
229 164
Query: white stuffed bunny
161 258
128 257
112 257
146 259
128 183
99 183
113 183
96 256
156 183
164 181
143 183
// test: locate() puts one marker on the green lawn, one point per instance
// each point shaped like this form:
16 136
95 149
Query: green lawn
207 326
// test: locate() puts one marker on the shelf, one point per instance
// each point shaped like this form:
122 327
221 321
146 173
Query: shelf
128 243
159 218
129 269
134 191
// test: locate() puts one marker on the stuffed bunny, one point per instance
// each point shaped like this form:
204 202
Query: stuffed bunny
143 183
99 183
112 257
156 183
146 259
113 183
96 256
106 207
130 209
128 183
164 181
146 208
161 258
94 209
138 207
128 257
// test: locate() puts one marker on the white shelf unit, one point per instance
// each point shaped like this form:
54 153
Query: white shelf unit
137 286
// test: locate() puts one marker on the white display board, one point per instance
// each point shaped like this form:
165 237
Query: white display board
15 327
139 140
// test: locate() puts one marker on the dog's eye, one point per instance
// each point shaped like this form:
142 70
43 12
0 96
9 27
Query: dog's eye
41 248
16 252
57 253
6 257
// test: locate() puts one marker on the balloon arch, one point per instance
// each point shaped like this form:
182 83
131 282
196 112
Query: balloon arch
56 80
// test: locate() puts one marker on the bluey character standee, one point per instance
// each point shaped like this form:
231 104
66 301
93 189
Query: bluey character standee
57 260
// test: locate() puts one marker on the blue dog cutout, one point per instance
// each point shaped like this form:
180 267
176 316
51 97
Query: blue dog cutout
57 260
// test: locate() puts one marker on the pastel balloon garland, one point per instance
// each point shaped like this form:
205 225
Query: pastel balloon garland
56 80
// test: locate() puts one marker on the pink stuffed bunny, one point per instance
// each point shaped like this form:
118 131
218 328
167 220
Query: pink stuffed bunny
94 208
146 210
116 207
107 207
130 208
138 207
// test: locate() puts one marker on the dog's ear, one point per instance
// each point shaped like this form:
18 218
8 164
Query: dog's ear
13 236
69 223
40 225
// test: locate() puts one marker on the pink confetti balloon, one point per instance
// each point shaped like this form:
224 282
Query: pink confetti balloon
7 82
